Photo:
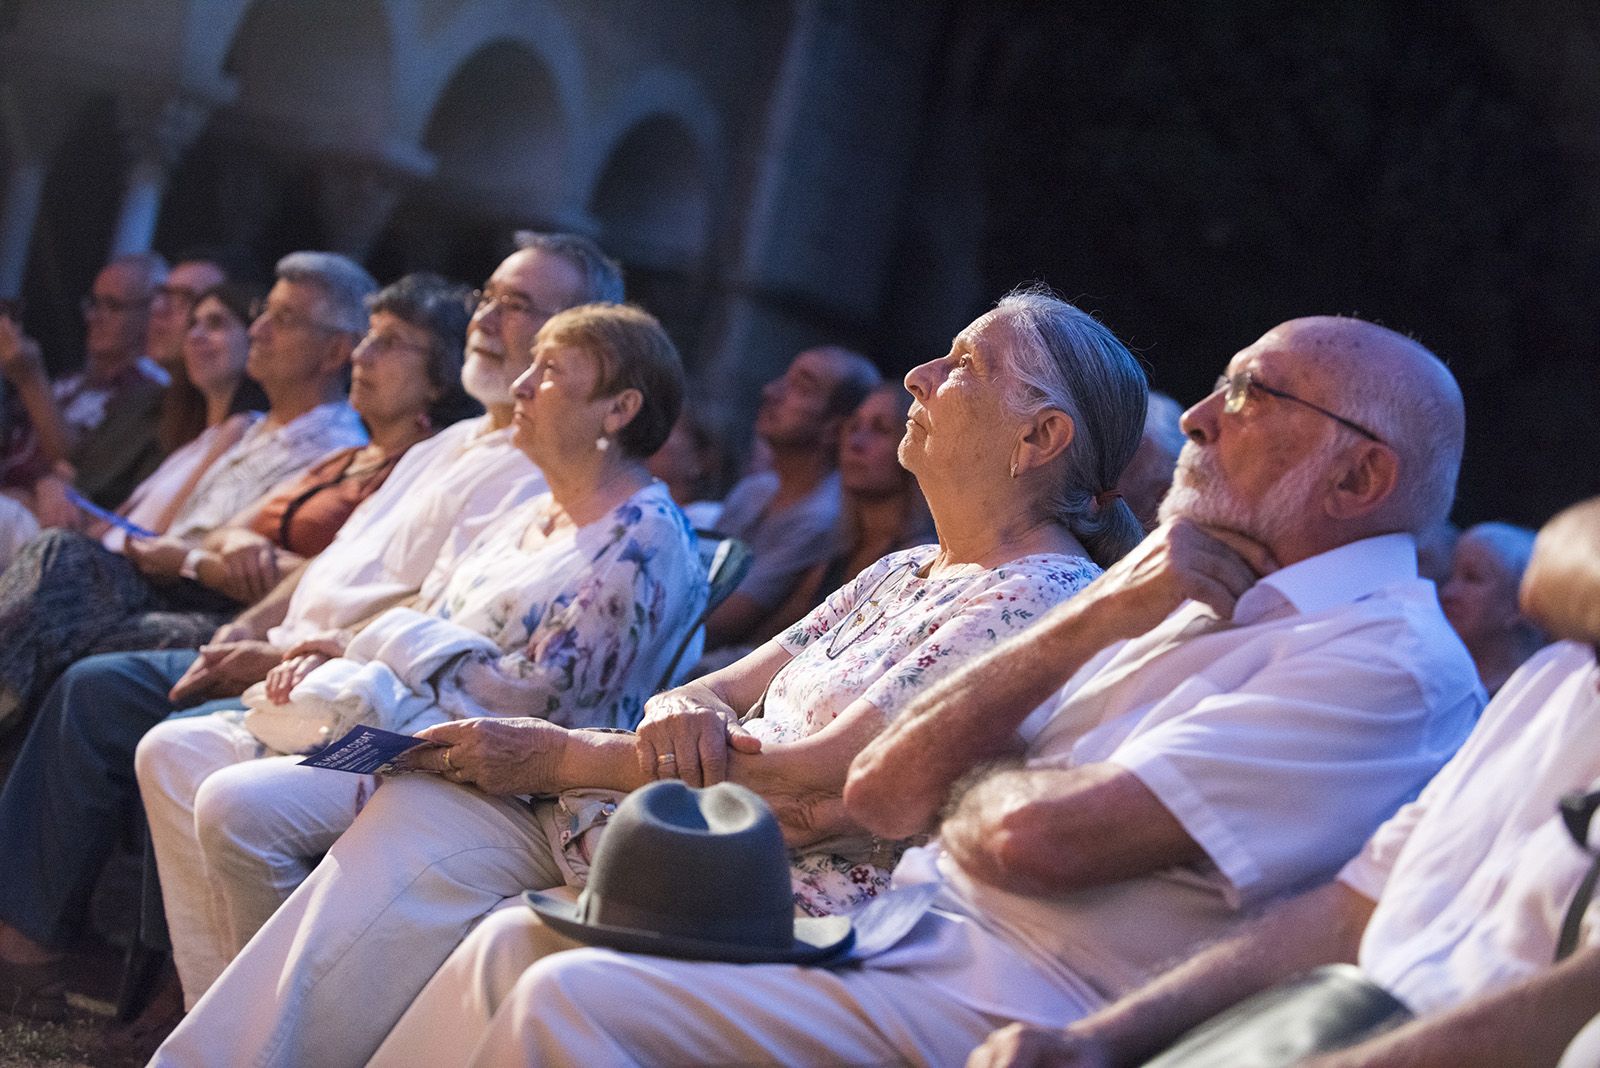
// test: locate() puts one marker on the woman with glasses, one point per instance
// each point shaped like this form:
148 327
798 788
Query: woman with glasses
1015 437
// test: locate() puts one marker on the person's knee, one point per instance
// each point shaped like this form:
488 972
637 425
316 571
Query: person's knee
233 814
575 982
154 756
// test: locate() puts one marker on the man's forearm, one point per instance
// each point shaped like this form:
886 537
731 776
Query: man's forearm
1525 1026
34 393
1323 926
899 783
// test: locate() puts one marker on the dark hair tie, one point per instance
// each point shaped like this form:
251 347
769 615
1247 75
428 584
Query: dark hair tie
1105 497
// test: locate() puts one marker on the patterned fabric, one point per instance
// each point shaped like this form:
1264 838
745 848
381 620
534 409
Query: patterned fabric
65 596
264 457
588 616
883 639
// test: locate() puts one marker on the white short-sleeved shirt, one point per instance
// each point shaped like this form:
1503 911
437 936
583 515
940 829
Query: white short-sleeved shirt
1473 879
439 497
1279 739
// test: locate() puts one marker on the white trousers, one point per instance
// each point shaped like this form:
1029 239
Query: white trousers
325 978
517 993
236 829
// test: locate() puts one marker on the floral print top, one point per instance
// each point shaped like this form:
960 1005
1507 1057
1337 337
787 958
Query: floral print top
882 638
588 616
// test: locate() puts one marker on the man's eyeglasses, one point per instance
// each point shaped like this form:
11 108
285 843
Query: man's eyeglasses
1235 390
95 303
515 303
287 319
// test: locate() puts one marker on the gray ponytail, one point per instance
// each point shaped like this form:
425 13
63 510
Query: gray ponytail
1077 366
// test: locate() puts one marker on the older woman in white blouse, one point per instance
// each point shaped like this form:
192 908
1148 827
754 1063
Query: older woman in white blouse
1016 437
566 608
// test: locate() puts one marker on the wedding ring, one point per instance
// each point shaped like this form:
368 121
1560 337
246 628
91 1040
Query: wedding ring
666 758
449 768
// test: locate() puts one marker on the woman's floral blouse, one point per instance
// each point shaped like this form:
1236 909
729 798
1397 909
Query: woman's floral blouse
588 616
883 638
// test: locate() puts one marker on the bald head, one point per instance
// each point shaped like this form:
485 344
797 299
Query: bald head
1561 588
1396 388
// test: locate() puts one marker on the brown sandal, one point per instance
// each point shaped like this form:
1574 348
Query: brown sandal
37 991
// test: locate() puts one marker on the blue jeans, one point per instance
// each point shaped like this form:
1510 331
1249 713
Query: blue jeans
72 794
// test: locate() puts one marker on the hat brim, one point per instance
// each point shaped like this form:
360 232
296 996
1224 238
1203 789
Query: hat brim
817 940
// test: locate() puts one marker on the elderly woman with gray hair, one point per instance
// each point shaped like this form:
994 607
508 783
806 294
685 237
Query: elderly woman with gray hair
1016 437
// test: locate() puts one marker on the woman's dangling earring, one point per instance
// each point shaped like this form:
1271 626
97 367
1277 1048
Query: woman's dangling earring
602 443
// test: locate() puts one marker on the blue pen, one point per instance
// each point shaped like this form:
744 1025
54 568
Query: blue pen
85 504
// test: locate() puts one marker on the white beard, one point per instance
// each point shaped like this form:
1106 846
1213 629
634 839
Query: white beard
485 381
1200 495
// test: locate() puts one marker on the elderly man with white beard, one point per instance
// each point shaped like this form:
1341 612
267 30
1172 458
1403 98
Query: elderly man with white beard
1219 721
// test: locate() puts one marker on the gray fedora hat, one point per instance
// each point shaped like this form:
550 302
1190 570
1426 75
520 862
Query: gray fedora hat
695 874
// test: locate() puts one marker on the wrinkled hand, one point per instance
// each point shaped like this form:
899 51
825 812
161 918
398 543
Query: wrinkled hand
687 734
225 669
498 756
1180 561
300 661
242 564
20 358
236 631
157 557
1020 1046
809 818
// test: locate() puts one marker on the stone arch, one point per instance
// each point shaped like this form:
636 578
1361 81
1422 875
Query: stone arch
652 197
499 133
655 153
313 74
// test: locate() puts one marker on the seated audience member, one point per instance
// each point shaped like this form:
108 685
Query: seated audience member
1149 475
567 608
184 408
1203 758
1480 600
691 463
66 799
1457 906
787 515
49 423
66 595
214 350
881 509
1034 387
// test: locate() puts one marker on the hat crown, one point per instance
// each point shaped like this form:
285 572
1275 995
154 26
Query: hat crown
708 865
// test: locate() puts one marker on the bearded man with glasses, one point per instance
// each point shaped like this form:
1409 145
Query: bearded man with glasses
1474 905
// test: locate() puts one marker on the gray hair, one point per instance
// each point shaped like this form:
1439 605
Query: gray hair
1078 367
345 286
602 275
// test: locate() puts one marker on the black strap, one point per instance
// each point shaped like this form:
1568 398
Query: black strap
1573 923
